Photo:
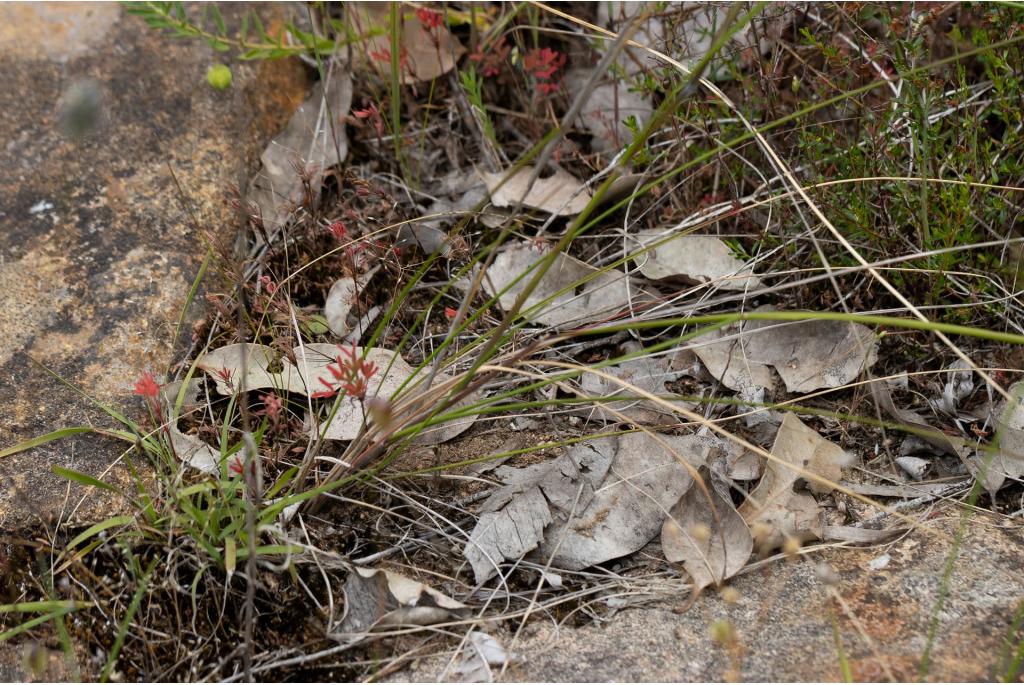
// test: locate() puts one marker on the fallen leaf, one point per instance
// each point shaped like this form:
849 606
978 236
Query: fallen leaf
1008 461
572 301
313 141
375 598
426 52
629 508
808 355
561 193
513 519
706 534
311 365
602 500
342 298
609 105
188 448
694 258
483 652
257 362
774 510
959 385
647 373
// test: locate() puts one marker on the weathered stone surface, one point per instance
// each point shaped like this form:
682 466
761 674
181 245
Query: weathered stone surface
783 620
96 251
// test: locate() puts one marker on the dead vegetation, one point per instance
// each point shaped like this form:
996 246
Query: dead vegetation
529 316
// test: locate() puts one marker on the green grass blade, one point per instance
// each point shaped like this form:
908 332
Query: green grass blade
43 439
83 479
98 528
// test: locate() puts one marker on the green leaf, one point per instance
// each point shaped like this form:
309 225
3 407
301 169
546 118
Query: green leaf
43 439
83 478
317 325
218 19
98 528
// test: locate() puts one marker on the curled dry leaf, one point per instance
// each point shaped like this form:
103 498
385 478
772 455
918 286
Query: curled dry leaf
342 298
572 301
188 448
774 510
561 193
808 355
313 141
991 468
513 519
1008 461
375 598
706 534
264 370
425 52
695 259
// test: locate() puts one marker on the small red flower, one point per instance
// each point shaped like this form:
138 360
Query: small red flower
492 61
147 386
372 113
268 284
272 405
236 466
351 373
542 65
338 230
450 313
429 18
225 375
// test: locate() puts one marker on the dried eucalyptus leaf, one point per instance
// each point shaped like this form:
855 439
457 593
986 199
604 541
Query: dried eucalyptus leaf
774 510
706 534
426 53
313 141
808 355
628 510
256 361
188 448
376 598
572 301
695 259
514 518
561 193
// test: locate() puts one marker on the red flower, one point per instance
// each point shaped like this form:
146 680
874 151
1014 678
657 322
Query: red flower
371 112
384 55
429 18
272 405
338 228
450 313
492 61
269 284
147 386
351 373
542 65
